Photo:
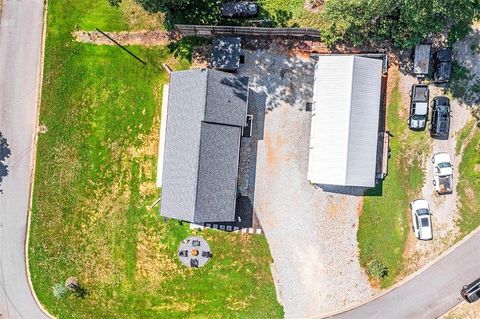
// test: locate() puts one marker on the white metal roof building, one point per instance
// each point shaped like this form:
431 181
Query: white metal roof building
345 119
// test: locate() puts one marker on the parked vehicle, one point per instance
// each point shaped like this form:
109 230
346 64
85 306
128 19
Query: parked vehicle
440 118
443 68
422 60
442 172
421 219
419 96
471 292
241 9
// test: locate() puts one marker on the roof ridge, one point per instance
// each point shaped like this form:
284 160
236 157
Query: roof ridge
349 118
200 142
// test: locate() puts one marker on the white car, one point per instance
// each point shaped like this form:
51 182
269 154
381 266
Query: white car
443 173
421 218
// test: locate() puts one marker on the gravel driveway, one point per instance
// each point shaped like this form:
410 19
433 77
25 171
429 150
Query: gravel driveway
444 207
311 233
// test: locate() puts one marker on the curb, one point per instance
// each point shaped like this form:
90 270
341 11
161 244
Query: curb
404 280
34 158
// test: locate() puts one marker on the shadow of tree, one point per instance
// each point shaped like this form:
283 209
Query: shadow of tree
4 154
183 48
238 85
465 81
207 12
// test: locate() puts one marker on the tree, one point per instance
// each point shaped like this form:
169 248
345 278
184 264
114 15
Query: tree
403 22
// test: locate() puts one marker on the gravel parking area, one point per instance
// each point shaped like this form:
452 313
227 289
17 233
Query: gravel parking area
311 233
444 207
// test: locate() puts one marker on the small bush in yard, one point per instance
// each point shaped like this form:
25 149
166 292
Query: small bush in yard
376 269
60 291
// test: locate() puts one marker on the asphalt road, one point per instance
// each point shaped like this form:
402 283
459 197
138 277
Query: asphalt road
21 26
430 294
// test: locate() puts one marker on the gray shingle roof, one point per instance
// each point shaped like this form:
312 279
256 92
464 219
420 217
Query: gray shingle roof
206 109
226 53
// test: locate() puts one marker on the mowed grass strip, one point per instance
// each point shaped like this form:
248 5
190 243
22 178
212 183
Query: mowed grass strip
468 187
95 178
384 220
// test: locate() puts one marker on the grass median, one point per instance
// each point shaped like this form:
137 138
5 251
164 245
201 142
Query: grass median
95 178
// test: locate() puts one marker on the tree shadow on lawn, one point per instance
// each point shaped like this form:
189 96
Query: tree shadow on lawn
207 12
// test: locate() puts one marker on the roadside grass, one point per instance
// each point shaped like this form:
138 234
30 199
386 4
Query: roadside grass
95 177
384 220
468 187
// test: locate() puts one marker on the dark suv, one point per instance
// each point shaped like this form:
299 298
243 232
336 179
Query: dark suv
443 69
440 119
241 9
471 292
417 118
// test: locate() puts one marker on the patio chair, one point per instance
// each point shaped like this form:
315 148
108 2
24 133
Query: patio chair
194 263
206 254
195 243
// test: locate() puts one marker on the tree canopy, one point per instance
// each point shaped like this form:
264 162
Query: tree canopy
404 22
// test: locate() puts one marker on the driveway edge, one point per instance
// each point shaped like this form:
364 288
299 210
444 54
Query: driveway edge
34 158
404 280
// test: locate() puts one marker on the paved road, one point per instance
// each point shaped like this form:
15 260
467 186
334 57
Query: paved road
430 294
20 42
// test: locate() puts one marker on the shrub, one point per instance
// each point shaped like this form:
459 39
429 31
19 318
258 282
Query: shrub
60 291
376 269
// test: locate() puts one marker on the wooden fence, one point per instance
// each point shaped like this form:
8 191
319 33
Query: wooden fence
210 30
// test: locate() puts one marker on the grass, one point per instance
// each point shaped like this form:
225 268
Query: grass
463 135
384 221
95 178
289 13
468 187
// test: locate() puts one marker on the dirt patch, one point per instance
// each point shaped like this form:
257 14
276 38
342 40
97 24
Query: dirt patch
464 311
201 56
146 38
139 19
314 5
153 264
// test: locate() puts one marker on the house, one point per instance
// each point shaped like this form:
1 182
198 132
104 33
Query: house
203 114
345 121
226 53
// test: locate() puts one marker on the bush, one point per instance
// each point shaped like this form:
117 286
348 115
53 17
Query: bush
60 291
376 269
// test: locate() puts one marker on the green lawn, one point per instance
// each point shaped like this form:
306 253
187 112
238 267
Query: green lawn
468 187
384 222
95 178
291 13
